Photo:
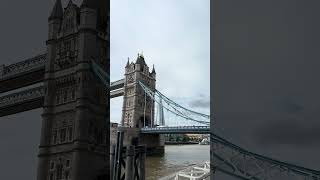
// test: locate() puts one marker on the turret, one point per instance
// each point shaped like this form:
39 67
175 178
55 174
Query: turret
127 63
153 73
57 11
55 20
88 14
99 15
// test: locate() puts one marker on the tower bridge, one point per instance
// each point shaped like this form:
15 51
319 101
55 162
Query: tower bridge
74 85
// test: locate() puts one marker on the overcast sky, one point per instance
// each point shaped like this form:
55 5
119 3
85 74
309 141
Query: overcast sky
175 37
266 77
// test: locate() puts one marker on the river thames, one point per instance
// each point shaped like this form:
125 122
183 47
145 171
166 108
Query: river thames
176 157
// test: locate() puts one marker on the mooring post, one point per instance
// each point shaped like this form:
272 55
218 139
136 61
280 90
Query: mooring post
130 163
112 159
142 170
118 156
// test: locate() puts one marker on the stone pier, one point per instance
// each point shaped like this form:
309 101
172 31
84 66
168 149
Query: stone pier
132 136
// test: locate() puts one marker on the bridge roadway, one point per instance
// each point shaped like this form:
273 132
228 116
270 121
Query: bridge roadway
29 99
177 130
29 72
26 73
21 74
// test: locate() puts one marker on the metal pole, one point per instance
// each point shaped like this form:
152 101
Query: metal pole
129 175
116 158
117 172
112 159
145 104
142 170
151 114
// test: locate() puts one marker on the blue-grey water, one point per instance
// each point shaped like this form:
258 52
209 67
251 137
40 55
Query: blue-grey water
176 157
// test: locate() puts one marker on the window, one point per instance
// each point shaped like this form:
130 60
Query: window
58 98
63 135
68 163
52 165
73 95
67 46
65 98
70 133
66 175
51 176
59 172
54 137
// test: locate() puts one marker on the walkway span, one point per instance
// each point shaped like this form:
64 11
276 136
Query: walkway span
177 130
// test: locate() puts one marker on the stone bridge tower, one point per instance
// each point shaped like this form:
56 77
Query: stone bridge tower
138 107
75 124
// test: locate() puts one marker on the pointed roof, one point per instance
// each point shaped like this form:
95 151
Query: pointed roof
90 4
128 63
102 7
140 60
70 3
153 70
57 11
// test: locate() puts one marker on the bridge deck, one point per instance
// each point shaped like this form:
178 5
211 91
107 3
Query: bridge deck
21 74
29 72
30 99
177 130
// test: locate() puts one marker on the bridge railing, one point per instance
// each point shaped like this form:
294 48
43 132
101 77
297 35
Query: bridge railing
177 130
175 127
26 95
23 66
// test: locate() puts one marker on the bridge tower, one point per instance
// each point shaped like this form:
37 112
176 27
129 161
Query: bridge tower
75 128
138 108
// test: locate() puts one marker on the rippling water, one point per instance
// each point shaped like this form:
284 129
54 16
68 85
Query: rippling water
176 157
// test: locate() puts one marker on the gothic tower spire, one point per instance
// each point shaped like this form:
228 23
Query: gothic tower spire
90 4
57 11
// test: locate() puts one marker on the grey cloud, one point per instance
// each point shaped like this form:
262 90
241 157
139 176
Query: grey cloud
200 103
290 132
290 106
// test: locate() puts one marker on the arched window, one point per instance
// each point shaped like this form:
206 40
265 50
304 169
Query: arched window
54 137
51 165
58 98
59 171
51 176
68 163
65 98
70 133
66 175
73 94
63 135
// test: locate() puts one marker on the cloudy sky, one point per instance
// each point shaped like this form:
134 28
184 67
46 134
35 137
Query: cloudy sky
265 77
175 37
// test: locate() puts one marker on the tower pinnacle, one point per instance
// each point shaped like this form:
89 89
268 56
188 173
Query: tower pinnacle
57 11
127 63
153 70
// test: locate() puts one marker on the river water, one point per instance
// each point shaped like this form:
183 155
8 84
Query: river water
176 157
